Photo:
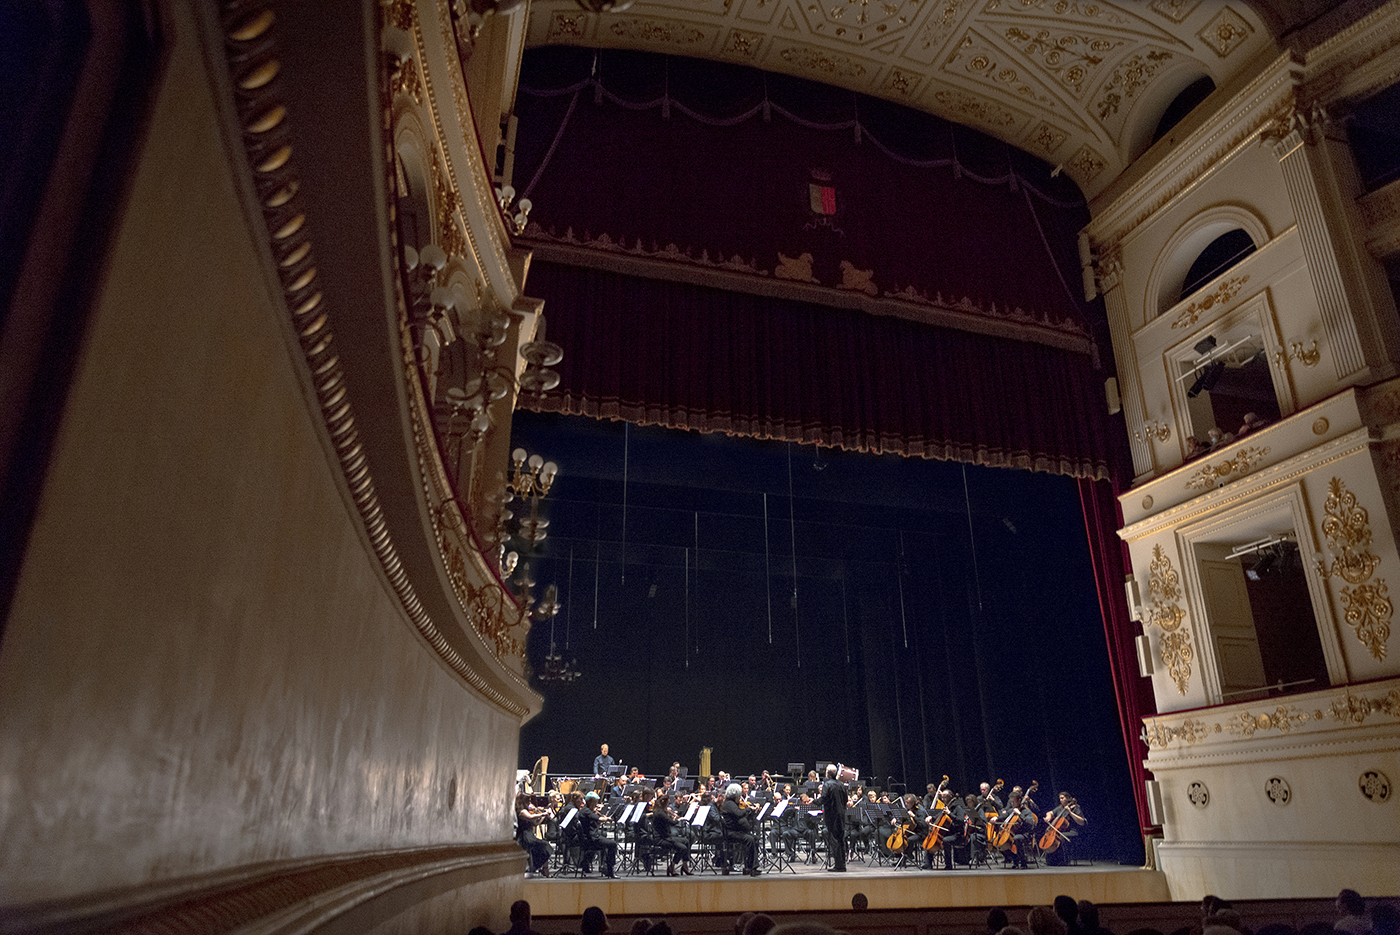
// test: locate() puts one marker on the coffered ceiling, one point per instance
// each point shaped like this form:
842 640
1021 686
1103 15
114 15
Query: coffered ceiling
1079 84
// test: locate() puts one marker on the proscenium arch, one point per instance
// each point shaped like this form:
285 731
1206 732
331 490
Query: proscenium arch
1181 250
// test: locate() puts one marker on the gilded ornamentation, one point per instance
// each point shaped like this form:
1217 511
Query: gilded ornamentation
1225 33
449 234
406 80
567 26
857 280
940 23
1245 460
1347 529
400 13
902 82
1074 58
1191 730
1131 76
1165 589
1047 137
1366 603
1175 10
975 108
1367 610
657 31
1086 163
1307 356
1062 8
797 268
1282 719
743 44
825 63
1354 710
1222 293
1176 656
979 59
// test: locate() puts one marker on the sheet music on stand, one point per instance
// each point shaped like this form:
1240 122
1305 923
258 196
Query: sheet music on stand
701 814
568 818
627 811
781 807
641 810
763 812
690 812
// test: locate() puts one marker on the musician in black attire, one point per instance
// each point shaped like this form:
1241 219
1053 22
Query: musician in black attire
591 836
952 834
666 826
528 820
1025 823
738 828
834 814
974 829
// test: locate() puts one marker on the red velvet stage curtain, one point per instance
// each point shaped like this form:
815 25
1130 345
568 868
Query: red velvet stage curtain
1102 519
653 352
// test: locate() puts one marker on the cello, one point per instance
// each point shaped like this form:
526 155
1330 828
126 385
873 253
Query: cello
898 841
943 824
1056 825
1002 836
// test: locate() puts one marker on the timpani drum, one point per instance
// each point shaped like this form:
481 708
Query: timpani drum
846 773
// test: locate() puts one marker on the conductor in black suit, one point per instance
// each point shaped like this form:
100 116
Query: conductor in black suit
834 814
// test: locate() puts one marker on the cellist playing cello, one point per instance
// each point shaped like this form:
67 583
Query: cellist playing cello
1062 823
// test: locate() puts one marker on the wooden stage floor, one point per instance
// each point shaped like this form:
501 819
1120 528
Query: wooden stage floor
811 889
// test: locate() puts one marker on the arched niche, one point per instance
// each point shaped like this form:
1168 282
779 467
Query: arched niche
1141 127
416 222
1187 244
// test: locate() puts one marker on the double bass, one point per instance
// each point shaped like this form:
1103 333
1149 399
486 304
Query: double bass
1055 827
940 827
1003 834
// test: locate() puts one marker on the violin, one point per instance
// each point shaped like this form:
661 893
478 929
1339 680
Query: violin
1054 831
1003 835
939 828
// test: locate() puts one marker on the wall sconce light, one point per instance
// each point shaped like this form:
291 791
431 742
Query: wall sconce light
1307 357
516 218
1154 429
531 481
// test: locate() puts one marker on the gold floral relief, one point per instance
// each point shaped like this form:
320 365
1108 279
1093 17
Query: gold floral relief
1245 460
449 234
1221 294
1366 603
1164 586
1354 710
1191 730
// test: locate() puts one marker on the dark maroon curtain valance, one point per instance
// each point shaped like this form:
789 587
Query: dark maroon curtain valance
653 352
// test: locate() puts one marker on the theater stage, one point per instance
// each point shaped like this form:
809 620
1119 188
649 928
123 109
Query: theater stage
811 889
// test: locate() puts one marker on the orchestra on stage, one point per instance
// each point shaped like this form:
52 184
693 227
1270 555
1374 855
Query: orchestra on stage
619 821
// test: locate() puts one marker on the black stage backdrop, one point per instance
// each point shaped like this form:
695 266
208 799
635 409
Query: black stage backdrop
942 619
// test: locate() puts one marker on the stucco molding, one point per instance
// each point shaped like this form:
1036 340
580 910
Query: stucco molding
298 895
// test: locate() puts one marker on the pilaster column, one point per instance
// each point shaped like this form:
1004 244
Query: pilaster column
1354 300
1110 276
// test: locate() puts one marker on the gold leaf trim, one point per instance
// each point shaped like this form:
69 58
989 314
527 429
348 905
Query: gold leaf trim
1222 293
1164 586
1366 603
1244 461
